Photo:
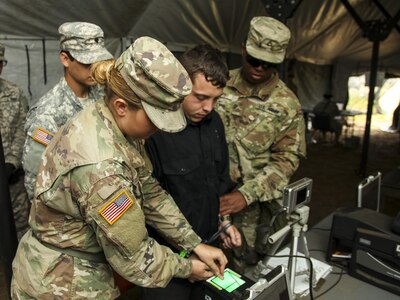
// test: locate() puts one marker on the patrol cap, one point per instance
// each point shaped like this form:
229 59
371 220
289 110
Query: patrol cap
2 51
159 80
268 39
84 41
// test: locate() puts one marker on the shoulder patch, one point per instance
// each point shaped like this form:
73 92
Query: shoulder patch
116 207
42 136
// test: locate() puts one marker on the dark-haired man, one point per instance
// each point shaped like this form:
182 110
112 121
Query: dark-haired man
192 165
265 132
81 45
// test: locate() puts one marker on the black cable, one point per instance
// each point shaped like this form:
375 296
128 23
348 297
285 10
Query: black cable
339 266
311 270
217 234
318 228
342 271
275 215
335 284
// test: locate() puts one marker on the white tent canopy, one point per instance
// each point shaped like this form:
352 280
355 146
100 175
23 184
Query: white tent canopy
327 44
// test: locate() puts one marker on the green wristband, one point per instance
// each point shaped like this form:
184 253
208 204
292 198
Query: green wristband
183 254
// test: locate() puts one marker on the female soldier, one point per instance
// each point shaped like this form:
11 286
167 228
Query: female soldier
95 192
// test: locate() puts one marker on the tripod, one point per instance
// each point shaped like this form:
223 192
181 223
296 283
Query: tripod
298 225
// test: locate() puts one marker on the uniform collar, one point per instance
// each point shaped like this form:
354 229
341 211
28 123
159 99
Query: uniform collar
108 119
262 90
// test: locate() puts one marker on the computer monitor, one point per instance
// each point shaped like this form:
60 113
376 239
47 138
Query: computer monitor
369 192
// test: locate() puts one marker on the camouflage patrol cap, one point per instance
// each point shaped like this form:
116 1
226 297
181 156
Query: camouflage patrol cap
159 79
267 39
84 41
2 51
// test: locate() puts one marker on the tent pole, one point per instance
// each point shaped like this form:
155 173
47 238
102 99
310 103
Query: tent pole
371 97
376 31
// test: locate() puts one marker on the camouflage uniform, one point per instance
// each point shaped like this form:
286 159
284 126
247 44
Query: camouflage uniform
266 137
85 42
93 195
13 108
52 111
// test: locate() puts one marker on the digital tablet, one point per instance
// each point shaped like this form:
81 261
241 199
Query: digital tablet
233 286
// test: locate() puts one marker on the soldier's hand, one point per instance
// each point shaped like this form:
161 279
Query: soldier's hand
200 271
231 238
213 257
231 203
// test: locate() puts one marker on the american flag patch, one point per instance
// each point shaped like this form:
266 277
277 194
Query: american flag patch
42 136
115 208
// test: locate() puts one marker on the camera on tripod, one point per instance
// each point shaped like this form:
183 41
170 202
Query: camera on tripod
297 194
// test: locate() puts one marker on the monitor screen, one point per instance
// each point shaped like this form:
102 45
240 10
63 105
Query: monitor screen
368 195
301 196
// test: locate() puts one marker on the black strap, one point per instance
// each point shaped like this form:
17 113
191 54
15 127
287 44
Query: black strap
28 63
217 234
95 257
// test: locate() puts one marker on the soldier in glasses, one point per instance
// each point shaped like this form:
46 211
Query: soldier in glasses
265 133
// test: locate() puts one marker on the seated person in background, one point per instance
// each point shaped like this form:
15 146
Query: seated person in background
193 166
394 127
328 118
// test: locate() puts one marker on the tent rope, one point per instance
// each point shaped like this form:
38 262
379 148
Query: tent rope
28 63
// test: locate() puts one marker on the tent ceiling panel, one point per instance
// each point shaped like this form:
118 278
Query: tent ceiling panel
41 18
183 24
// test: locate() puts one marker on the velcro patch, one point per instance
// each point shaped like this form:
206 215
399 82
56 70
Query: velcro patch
116 207
42 136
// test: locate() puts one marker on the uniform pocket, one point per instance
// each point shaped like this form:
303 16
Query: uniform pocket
258 139
35 266
182 166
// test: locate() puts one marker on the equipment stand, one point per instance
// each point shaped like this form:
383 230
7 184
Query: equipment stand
298 224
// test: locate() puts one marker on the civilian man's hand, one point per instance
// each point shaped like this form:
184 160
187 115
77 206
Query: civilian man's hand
231 203
231 237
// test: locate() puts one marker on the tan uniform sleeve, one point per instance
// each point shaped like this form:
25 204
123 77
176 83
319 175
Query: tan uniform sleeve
118 221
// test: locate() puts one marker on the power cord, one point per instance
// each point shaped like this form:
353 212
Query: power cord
311 270
342 271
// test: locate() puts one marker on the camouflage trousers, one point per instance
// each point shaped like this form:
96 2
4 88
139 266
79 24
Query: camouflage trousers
248 221
20 206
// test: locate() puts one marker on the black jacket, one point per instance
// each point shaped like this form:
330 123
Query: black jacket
193 166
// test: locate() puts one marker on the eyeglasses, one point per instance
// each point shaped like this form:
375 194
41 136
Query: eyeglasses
3 63
255 63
